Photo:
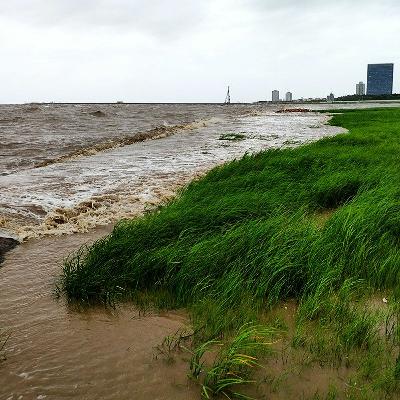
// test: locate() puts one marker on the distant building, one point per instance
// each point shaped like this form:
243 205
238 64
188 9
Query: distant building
289 96
330 98
275 95
380 79
360 89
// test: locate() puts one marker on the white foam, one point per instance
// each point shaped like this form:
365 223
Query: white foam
78 194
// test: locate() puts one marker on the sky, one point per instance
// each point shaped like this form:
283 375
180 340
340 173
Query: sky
190 51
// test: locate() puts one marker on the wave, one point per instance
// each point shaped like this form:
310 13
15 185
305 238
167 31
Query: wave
152 134
103 197
98 210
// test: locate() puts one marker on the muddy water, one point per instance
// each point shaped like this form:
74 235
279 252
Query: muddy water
79 192
31 134
58 353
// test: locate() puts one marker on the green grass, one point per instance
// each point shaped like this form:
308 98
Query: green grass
233 362
312 223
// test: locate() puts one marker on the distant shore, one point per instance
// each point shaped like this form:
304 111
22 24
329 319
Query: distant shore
294 102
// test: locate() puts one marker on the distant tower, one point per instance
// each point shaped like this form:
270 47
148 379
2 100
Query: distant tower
228 97
380 79
360 89
275 95
330 98
289 96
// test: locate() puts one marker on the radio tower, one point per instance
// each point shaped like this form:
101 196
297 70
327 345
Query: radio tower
228 97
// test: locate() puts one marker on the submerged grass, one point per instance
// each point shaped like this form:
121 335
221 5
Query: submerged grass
233 362
250 234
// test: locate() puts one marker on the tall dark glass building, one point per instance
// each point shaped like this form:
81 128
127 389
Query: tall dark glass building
380 79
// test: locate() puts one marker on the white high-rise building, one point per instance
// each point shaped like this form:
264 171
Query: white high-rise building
360 89
330 98
275 95
289 96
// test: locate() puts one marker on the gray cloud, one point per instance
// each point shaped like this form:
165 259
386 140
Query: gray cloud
158 17
182 50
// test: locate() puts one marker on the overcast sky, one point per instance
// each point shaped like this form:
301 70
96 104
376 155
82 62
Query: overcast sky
183 50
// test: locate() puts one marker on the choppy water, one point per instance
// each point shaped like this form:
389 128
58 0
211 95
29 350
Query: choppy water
55 352
67 168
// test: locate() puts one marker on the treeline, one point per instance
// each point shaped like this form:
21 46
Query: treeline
356 97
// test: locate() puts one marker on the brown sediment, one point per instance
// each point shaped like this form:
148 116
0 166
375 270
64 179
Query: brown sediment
10 120
294 372
59 351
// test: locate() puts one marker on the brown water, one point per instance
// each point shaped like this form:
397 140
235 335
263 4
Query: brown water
84 184
58 353
55 352
32 134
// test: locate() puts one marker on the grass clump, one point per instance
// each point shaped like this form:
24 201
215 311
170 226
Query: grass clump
249 235
232 363
232 136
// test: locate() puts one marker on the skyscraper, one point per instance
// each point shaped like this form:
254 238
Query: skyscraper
380 79
275 95
289 96
360 89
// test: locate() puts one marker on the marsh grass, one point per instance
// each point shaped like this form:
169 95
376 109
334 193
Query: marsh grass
233 361
172 344
319 224
232 136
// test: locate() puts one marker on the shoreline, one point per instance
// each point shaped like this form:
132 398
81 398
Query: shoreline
74 359
313 224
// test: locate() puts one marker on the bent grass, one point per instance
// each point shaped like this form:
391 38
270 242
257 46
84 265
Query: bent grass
319 224
233 362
